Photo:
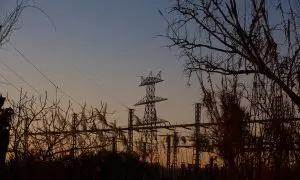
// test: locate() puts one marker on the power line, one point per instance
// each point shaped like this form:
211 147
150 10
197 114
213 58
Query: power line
86 77
96 85
32 87
1 82
2 62
82 74
10 83
44 75
26 59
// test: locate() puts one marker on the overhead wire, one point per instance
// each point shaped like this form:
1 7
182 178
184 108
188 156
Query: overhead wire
1 82
98 87
82 74
44 75
86 77
10 83
49 80
57 88
2 62
22 79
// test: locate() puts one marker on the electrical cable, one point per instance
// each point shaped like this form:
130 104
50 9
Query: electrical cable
44 75
2 62
10 83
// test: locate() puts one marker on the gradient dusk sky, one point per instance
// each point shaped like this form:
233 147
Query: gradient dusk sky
98 52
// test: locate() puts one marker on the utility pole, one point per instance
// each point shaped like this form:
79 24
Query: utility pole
26 135
114 140
175 147
197 136
114 144
144 151
73 148
168 151
130 131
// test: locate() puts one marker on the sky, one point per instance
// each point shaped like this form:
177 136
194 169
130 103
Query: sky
96 51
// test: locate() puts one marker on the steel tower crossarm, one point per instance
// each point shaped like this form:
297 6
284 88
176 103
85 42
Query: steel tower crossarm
150 116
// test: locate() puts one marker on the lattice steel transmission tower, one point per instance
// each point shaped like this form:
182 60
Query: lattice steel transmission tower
150 117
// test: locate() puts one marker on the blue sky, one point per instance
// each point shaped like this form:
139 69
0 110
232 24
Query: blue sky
98 52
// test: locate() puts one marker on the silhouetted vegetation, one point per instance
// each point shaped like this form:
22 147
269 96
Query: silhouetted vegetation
247 147
101 165
248 67
5 120
254 130
239 38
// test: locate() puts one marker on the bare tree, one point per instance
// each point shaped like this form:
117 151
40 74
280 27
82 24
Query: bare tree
43 130
231 37
231 134
9 22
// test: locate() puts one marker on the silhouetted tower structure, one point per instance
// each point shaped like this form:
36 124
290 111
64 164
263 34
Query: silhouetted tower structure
168 151
196 149
114 144
74 139
150 116
114 140
26 136
130 131
175 150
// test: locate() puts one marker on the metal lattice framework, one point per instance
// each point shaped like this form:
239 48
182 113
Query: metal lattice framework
150 117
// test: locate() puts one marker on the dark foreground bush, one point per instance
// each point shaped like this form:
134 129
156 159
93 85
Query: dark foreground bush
104 165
